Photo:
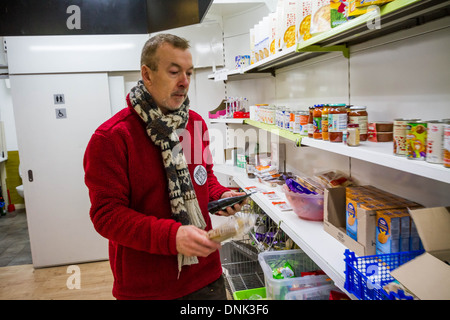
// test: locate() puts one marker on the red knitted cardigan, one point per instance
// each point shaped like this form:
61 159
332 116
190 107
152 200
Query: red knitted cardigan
130 206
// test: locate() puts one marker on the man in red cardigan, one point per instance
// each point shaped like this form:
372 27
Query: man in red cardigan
134 202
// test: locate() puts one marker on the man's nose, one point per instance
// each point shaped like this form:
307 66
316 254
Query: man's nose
184 80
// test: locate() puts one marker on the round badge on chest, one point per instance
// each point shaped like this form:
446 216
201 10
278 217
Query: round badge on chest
200 175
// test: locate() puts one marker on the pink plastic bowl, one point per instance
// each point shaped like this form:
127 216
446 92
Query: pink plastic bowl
306 206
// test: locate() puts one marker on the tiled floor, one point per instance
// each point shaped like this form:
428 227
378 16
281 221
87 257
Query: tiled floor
14 239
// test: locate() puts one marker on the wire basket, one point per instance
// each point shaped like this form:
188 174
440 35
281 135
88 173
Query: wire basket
366 276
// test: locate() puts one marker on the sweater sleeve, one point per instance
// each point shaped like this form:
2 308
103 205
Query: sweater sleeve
106 176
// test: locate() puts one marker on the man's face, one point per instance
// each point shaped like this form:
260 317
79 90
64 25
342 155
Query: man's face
169 85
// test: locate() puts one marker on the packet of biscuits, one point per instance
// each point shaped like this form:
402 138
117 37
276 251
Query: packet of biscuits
235 226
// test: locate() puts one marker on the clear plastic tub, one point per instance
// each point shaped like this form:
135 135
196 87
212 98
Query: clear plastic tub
306 206
314 293
277 289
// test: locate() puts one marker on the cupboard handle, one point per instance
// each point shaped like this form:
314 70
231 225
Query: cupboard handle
30 175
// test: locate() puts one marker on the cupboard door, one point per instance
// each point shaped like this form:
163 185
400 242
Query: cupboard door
55 116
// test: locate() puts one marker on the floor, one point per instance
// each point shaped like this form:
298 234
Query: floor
20 281
14 239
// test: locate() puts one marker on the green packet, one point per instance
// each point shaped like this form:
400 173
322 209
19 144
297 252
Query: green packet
283 272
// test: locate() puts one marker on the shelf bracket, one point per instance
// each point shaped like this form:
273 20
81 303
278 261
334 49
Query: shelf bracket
314 48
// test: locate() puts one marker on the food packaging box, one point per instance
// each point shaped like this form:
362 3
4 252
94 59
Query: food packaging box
428 275
339 12
380 131
288 23
273 47
334 222
374 136
363 242
304 20
320 16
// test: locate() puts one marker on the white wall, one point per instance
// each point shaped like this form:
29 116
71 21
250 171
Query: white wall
401 75
7 116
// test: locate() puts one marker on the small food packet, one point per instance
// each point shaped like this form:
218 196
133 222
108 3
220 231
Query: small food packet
236 225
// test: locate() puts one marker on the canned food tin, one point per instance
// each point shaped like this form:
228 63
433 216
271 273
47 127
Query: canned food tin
400 130
416 140
435 141
447 146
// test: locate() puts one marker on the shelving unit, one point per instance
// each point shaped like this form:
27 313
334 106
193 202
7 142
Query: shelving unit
380 153
398 15
393 16
326 251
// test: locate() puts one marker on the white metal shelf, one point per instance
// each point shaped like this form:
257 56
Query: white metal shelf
227 120
394 16
326 251
381 153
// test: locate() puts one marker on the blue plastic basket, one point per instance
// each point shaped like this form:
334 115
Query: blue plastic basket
366 276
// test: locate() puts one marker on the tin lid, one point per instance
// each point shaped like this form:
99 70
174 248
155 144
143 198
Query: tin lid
358 107
337 105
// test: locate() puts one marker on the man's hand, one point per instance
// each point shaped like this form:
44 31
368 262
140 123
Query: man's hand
192 241
236 208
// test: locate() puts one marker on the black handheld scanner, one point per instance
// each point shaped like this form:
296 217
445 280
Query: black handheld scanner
221 204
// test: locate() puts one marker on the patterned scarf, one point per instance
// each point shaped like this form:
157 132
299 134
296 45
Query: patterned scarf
161 128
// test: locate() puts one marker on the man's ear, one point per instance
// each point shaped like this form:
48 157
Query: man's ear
146 75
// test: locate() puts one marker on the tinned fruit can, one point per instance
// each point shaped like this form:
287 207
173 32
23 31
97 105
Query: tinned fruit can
435 142
399 136
416 140
447 146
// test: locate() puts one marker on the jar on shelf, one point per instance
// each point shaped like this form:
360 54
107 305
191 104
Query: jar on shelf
358 114
310 123
337 121
301 122
317 122
351 136
325 109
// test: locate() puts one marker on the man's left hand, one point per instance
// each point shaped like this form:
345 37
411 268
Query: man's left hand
229 211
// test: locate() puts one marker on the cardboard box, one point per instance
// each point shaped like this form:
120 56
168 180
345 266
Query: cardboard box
334 222
428 275
335 219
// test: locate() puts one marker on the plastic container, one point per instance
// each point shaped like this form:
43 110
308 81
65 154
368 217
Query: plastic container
251 294
314 293
276 289
366 276
306 206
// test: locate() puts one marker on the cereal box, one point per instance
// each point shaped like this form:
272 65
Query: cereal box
303 26
387 232
273 48
288 23
338 12
320 16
